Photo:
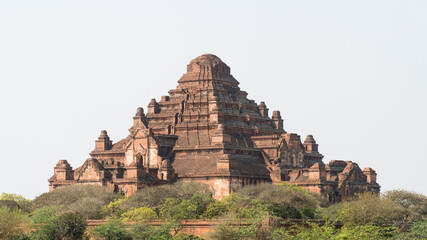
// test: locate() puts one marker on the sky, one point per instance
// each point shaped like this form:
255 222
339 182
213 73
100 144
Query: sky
352 73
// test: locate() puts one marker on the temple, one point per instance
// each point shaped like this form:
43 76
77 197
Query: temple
207 130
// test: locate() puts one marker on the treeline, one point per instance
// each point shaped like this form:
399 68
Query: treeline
63 214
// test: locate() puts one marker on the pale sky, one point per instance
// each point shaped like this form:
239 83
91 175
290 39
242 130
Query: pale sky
352 73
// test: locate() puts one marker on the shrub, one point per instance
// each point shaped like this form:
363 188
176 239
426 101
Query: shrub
329 231
13 223
216 209
154 197
68 195
176 209
70 226
228 231
368 208
112 230
114 208
47 231
282 201
147 232
9 204
19 199
415 203
141 214
184 236
48 214
89 208
417 231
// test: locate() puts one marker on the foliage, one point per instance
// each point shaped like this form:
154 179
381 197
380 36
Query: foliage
47 214
47 231
154 197
176 209
9 204
88 207
19 199
368 208
141 214
415 203
184 236
68 195
114 209
417 231
329 231
70 226
13 223
113 230
282 201
216 209
147 232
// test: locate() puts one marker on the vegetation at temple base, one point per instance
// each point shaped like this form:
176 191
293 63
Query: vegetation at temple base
63 214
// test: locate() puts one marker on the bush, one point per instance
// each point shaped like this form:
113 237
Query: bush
216 209
283 201
154 197
19 199
147 232
70 226
9 204
176 209
415 203
329 231
141 214
184 236
89 208
112 230
417 231
114 208
13 223
47 231
68 195
48 214
368 208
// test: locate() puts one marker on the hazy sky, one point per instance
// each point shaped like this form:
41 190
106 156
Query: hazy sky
353 74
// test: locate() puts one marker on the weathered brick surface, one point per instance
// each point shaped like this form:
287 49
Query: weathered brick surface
207 130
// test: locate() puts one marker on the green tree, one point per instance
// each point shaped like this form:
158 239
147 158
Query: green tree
147 232
368 208
68 195
415 203
13 223
88 207
154 197
114 229
48 214
142 214
114 208
285 201
19 199
417 231
70 226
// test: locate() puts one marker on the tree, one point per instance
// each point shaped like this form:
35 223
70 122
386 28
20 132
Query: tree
112 230
155 197
368 208
283 201
13 223
19 199
415 203
142 214
70 226
68 195
88 207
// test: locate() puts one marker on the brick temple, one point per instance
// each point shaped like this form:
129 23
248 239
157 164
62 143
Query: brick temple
207 130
